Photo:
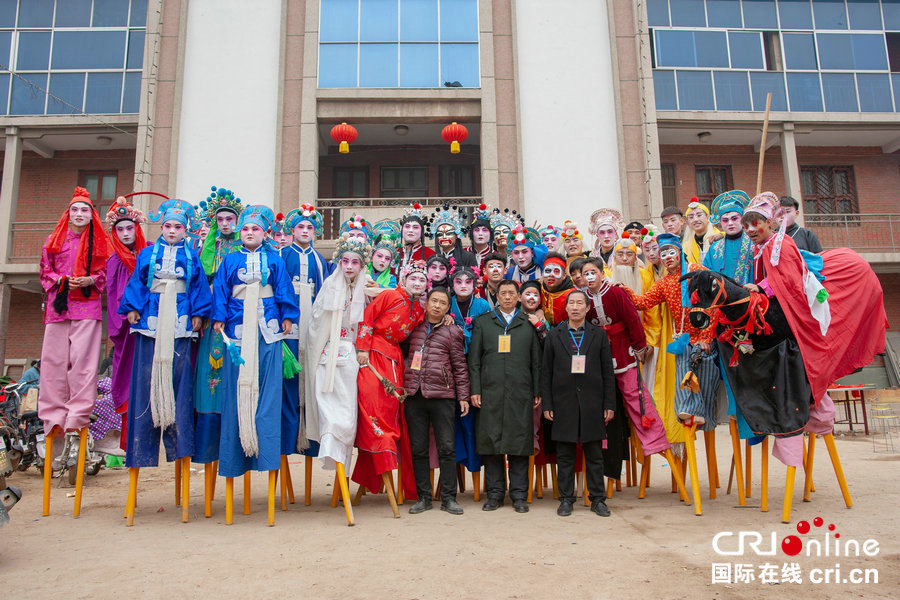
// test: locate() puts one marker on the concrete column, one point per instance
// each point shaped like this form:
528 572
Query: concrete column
5 293
309 121
9 191
791 168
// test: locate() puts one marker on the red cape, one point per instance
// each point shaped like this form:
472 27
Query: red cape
858 319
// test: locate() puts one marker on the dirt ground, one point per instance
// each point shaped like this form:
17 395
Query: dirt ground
651 548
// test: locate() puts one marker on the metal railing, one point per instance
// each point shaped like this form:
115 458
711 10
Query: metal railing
337 210
861 232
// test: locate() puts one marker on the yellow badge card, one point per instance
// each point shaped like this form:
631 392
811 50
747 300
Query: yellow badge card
503 344
578 364
416 361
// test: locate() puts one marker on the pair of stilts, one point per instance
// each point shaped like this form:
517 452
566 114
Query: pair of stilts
79 469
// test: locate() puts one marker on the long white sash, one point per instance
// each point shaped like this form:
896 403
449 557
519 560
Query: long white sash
248 373
162 387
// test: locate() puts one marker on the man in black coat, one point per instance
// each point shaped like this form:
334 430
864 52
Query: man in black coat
579 395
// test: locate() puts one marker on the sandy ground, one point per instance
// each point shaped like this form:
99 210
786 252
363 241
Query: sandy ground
651 548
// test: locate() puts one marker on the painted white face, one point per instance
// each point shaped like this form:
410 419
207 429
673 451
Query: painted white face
626 257
671 257
304 233
351 264
592 276
80 214
731 223
446 237
651 252
204 231
500 234
437 272
607 236
173 232
411 232
381 260
415 284
551 240
125 231
252 236
530 299
553 274
225 222
495 270
481 235
358 234
522 256
463 286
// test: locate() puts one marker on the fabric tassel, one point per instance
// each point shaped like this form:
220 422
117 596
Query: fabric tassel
290 366
248 372
61 301
162 386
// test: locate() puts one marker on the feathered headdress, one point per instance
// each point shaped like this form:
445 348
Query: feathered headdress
414 213
221 199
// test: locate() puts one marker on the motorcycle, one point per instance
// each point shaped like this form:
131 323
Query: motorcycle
9 495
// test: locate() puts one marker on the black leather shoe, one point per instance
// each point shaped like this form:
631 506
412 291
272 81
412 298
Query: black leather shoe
420 506
520 506
600 508
451 506
565 508
492 504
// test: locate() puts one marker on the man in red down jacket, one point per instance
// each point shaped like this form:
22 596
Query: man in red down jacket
436 375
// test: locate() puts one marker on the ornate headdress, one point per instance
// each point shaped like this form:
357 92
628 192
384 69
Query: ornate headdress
447 215
306 212
387 237
175 210
570 229
523 236
548 230
355 244
279 223
507 217
357 223
258 214
625 243
220 200
733 201
414 213
416 266
482 212
695 203
606 217
123 210
648 232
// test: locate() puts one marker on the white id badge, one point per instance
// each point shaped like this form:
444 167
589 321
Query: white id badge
578 364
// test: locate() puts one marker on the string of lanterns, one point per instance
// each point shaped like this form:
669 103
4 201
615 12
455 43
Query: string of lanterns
453 134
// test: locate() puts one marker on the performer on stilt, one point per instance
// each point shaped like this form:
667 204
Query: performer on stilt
527 252
606 226
412 234
481 235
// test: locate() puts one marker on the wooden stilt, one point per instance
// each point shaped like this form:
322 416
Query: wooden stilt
674 487
48 474
399 482
748 468
730 476
207 489
229 500
247 493
435 485
812 485
712 468
584 490
788 495
539 475
132 495
555 481
530 495
307 481
461 478
336 492
185 488
619 482
764 477
609 488
273 477
808 457
389 486
676 472
633 464
178 466
838 469
341 480
476 485
738 469
283 481
645 476
214 477
288 480
679 472
359 494
79 474
692 466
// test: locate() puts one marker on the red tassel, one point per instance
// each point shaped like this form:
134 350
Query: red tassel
646 421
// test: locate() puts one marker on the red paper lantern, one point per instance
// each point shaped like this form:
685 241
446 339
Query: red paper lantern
344 135
454 134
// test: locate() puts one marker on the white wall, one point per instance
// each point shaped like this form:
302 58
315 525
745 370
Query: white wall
228 138
570 155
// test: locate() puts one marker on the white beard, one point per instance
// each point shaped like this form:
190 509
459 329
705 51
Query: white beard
629 276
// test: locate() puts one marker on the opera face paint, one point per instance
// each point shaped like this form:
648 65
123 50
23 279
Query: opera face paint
607 236
463 286
446 237
731 223
481 235
523 256
651 252
551 240
204 231
80 214
381 260
437 272
671 257
125 232
225 222
357 233
173 232
495 270
593 277
252 236
351 265
411 232
758 228
415 284
553 274
500 234
530 299
304 233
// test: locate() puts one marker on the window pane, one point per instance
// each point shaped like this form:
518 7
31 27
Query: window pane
131 101
763 83
418 20
840 92
808 182
760 13
799 51
68 87
341 183
804 91
135 50
359 183
8 13
701 177
795 14
864 14
712 49
895 80
5 41
110 13
34 50
108 189
675 49
73 13
378 21
338 21
27 99
664 90
138 13
459 62
104 93
830 14
723 13
419 65
378 65
868 51
4 92
732 90
874 92
657 13
88 50
695 90
459 20
746 50
835 51
337 65
35 13
891 11
688 13
90 184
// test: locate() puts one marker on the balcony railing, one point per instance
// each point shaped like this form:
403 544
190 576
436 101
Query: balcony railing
862 232
337 210
28 238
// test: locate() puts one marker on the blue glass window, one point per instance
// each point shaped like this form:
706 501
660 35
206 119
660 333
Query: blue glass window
795 14
337 65
723 13
732 90
378 65
418 20
73 13
88 50
804 92
138 15
459 62
35 13
418 65
763 83
131 99
4 92
857 51
840 92
874 92
5 41
34 50
688 13
891 11
799 51
459 20
68 87
830 14
895 79
746 50
104 93
339 21
378 21
760 14
8 20
135 58
110 13
695 90
864 14
657 13
28 94
675 48
664 90
712 49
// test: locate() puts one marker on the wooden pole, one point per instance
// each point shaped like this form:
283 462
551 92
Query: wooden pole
79 474
48 472
762 145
